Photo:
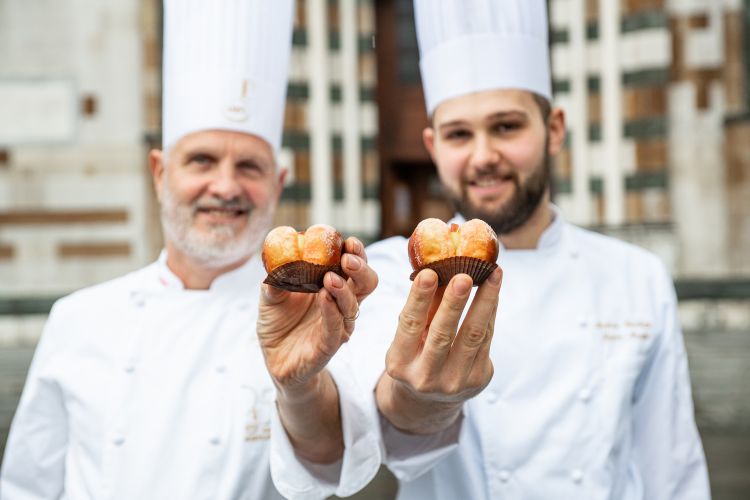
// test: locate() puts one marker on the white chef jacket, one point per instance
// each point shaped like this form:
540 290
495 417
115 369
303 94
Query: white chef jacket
590 398
140 389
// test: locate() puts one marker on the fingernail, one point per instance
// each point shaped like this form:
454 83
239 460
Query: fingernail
427 280
357 247
495 277
461 285
353 262
336 281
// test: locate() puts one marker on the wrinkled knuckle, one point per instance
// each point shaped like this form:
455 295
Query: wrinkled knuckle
441 339
474 336
409 321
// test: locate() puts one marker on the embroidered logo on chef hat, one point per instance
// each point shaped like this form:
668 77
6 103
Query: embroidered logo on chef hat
238 109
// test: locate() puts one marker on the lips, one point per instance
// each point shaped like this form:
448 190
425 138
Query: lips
223 212
490 185
490 179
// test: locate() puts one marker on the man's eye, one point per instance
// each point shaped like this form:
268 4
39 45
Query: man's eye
201 159
457 134
250 168
507 127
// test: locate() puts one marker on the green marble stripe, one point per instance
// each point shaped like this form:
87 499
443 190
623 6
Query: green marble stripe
638 181
647 19
641 78
728 288
24 306
638 21
560 35
302 192
364 42
300 141
300 91
687 289
646 77
644 128
560 86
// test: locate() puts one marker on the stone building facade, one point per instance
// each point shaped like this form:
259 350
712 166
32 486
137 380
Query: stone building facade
657 95
673 173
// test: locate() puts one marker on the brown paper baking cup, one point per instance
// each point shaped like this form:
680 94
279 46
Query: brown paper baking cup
301 276
479 270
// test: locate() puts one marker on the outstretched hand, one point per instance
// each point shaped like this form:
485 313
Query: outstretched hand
433 366
300 332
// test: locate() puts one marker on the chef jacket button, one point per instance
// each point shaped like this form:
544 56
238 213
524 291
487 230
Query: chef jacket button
576 475
491 397
584 395
118 441
215 441
504 475
574 254
221 369
583 322
129 368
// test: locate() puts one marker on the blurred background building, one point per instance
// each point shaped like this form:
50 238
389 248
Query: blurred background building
657 96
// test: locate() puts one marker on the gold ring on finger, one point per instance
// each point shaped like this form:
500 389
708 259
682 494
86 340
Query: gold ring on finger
352 319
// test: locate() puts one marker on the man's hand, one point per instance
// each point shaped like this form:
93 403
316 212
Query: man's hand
299 334
433 366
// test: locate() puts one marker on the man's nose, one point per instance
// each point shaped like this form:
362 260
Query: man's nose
485 153
225 184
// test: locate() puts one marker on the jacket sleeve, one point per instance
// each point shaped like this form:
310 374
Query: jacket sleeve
667 446
298 479
34 462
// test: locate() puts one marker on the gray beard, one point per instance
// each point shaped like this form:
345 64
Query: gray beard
516 211
223 245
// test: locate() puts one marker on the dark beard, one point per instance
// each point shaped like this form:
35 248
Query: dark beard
515 212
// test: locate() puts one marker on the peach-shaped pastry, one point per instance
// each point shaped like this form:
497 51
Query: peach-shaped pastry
298 261
470 248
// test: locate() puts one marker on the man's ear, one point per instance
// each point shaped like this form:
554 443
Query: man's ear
557 131
283 171
428 138
156 165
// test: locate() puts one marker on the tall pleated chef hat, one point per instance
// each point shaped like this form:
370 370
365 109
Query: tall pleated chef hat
469 46
225 67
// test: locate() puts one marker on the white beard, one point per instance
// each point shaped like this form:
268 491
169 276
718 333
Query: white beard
223 244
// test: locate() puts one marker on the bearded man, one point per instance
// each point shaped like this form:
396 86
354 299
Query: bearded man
154 385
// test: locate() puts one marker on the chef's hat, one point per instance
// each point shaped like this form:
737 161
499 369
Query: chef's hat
225 67
473 45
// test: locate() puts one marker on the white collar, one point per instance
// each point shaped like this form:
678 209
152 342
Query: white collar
250 273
